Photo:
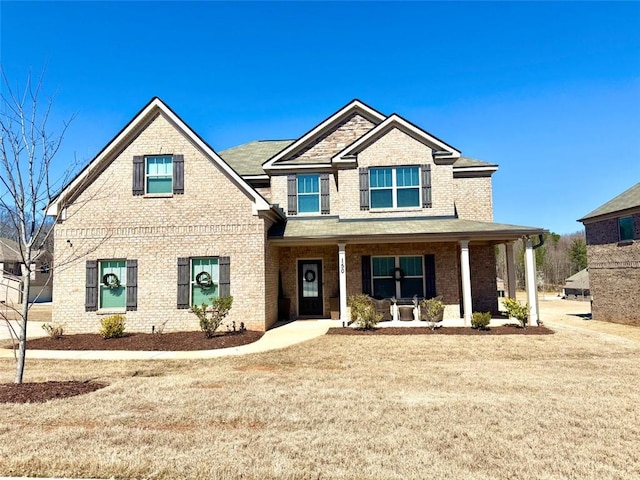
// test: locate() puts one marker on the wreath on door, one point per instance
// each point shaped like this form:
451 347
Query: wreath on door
203 279
111 280
398 274
309 275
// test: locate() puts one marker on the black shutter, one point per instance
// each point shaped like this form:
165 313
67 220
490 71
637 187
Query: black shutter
426 186
183 282
366 274
325 207
364 188
292 195
430 275
132 284
91 299
178 174
138 175
225 276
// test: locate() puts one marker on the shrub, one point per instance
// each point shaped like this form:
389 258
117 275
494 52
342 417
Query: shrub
211 316
112 326
363 311
54 331
517 310
432 309
480 320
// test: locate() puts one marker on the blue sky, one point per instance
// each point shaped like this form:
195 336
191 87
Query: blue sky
549 91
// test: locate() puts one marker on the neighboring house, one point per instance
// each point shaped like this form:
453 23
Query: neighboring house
11 268
613 256
577 285
362 202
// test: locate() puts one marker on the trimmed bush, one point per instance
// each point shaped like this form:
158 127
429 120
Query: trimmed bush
363 311
211 316
432 309
517 310
53 330
112 326
480 320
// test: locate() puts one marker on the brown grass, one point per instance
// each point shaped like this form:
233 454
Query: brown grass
549 407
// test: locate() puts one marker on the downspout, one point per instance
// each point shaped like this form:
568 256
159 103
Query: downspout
541 240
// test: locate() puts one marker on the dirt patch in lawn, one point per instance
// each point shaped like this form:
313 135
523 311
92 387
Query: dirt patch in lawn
45 391
501 330
176 341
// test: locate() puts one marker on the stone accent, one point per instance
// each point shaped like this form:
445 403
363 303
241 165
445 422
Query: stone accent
212 218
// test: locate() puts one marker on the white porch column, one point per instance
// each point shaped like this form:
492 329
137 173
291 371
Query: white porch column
511 270
342 276
465 271
531 281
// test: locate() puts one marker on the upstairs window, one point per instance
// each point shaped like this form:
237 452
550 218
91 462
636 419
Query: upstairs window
625 227
396 187
308 194
159 174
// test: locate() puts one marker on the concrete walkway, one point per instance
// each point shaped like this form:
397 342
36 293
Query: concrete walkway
281 336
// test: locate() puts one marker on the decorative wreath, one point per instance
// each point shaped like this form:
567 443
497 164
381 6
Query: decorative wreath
203 279
398 274
309 275
111 280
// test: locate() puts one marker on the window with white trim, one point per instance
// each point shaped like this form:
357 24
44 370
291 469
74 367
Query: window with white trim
397 276
113 284
308 189
625 227
158 174
205 280
394 187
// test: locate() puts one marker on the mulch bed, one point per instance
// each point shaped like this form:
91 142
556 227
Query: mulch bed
501 330
45 391
175 341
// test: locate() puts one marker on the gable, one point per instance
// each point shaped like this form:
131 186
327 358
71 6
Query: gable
155 111
318 145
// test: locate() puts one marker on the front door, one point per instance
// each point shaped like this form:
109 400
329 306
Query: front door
310 300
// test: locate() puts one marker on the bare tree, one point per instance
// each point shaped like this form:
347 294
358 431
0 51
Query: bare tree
27 151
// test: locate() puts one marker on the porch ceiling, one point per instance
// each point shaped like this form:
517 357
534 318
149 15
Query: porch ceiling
332 230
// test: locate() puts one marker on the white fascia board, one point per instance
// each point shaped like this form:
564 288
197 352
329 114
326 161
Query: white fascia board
256 177
310 166
353 106
476 169
395 121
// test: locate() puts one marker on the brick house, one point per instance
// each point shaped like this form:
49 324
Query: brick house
613 256
12 268
362 202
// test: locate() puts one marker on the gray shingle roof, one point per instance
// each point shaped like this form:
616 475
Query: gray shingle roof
626 200
578 280
247 159
9 251
429 228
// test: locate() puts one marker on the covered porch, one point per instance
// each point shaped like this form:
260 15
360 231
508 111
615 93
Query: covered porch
324 261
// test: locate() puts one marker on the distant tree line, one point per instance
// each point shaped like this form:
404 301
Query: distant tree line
560 257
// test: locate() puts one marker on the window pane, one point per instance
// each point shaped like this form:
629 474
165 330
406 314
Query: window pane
626 228
308 184
200 295
407 177
383 266
384 287
380 177
159 185
112 297
411 266
209 265
410 287
308 203
408 197
381 199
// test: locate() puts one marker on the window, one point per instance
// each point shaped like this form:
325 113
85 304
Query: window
112 280
204 280
625 226
396 187
308 194
400 277
159 174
